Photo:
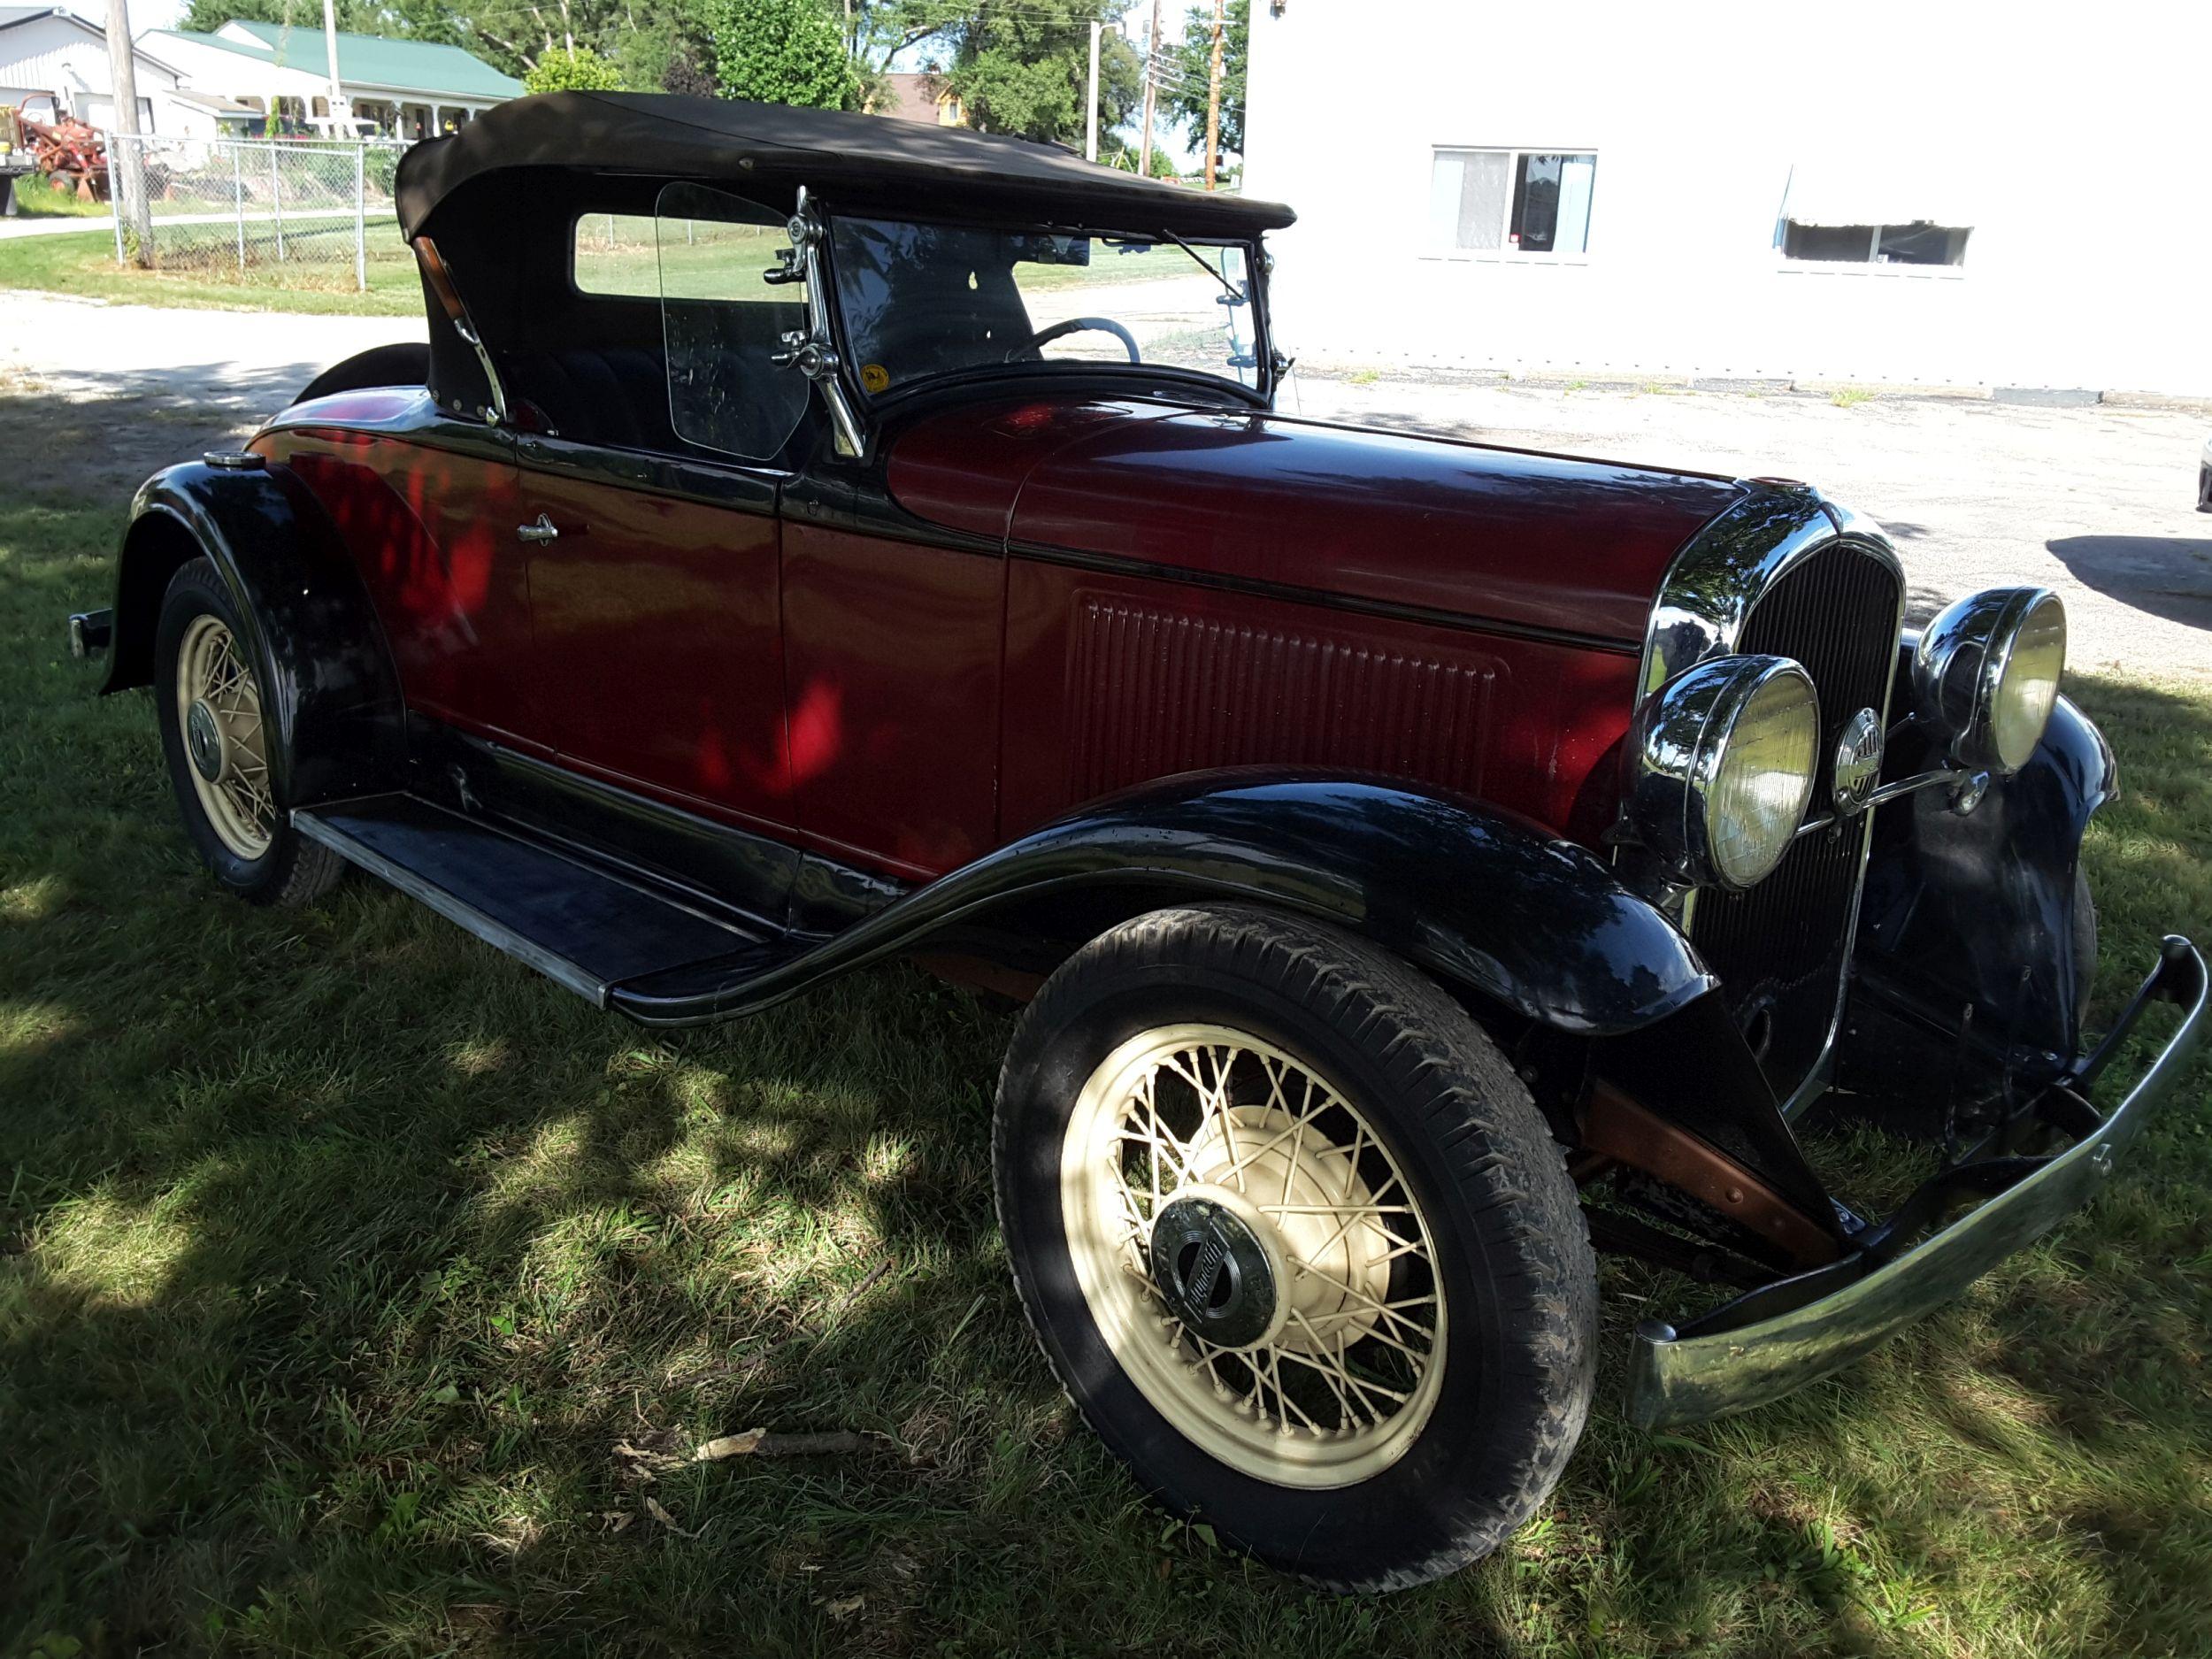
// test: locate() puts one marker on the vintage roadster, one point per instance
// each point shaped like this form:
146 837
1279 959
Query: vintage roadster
809 539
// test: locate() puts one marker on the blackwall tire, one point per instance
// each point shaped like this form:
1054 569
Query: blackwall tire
1432 1362
217 735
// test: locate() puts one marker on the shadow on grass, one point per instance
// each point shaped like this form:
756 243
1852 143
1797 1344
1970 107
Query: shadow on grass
340 1258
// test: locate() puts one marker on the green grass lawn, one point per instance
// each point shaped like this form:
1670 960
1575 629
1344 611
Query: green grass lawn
352 1277
84 266
35 198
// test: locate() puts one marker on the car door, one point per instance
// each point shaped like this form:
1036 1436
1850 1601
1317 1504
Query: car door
656 619
648 509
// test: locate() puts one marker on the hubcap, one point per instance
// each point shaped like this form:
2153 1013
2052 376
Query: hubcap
1252 1255
204 740
218 710
1214 1274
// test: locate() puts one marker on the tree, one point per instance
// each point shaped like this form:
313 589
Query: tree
1118 152
356 17
1023 66
582 70
877 31
1189 66
781 51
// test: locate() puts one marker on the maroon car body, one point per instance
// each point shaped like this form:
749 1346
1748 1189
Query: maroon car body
1444 615
698 627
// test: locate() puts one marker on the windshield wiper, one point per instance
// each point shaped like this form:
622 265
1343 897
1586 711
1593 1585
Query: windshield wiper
1237 296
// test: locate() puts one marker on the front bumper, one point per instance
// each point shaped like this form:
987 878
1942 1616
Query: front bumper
1784 1335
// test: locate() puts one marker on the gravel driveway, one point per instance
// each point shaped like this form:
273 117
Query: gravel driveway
2097 502
2094 502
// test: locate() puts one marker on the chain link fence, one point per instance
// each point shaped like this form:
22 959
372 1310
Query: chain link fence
271 212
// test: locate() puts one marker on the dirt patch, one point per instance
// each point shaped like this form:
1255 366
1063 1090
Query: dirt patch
104 447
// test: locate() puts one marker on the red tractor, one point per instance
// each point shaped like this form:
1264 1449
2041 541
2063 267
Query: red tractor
37 136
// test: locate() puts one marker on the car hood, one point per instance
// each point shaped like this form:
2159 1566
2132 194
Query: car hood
1541 542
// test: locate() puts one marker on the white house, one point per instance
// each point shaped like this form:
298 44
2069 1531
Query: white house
409 88
1888 191
51 49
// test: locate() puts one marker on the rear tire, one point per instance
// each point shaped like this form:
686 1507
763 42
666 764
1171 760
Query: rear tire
1357 1337
218 733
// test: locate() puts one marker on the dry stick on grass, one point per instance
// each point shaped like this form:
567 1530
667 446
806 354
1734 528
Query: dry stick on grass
761 1443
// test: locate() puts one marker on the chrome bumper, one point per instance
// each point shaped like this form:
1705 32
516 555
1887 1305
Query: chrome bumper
1762 1346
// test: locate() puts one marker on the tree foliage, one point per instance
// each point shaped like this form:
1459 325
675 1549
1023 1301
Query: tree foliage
582 70
781 51
646 41
1189 66
1023 66
878 30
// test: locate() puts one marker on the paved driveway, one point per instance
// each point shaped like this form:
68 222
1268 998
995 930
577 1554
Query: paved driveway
2096 501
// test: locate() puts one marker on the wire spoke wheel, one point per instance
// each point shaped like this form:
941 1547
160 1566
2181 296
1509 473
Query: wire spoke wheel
219 712
1253 1256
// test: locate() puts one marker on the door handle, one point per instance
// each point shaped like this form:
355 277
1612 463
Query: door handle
543 530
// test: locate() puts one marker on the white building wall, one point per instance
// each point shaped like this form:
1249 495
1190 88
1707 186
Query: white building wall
2077 138
54 54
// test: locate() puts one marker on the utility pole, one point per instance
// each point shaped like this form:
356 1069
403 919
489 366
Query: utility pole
126 171
1213 100
1151 80
338 110
1090 127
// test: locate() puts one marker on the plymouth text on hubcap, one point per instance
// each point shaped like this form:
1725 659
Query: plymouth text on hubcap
1252 1255
218 707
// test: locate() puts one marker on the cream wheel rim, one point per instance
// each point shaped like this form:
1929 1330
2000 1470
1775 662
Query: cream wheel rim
219 714
1252 1255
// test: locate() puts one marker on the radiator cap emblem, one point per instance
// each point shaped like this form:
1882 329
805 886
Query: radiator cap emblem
1858 765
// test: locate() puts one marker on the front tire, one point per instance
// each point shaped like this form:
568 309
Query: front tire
218 733
1297 1241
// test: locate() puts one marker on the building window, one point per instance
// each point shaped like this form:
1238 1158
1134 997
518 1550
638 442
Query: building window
1511 201
1918 243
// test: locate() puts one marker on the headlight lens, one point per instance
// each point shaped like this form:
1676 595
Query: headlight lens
1764 778
1987 672
1723 758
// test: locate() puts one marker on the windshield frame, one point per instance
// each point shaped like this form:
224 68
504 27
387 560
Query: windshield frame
1223 386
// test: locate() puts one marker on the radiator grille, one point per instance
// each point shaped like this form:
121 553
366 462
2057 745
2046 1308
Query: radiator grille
1780 949
1157 692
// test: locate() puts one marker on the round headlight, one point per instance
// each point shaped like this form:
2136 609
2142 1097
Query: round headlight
1724 758
1986 671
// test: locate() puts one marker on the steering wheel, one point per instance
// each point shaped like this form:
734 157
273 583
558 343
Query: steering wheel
1076 325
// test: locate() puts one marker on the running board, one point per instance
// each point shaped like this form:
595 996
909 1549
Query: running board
580 923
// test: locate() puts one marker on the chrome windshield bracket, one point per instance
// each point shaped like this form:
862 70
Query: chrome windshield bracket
813 352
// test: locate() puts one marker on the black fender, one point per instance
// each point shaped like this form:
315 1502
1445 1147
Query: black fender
402 363
1492 905
1976 909
327 676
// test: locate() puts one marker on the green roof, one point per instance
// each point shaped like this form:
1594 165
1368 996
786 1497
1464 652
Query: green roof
371 60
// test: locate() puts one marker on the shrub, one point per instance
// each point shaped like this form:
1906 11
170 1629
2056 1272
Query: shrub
582 70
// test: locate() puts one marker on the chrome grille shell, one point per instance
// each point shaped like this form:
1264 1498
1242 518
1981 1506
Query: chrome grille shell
1786 573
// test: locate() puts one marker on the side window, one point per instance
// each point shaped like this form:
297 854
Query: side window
617 256
722 319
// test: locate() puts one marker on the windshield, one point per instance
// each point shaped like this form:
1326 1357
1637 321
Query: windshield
922 300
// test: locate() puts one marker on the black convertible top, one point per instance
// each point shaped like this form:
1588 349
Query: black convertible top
863 159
